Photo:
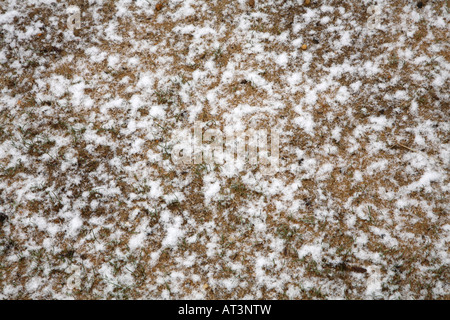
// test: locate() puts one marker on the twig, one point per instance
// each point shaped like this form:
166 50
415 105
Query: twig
424 153
413 150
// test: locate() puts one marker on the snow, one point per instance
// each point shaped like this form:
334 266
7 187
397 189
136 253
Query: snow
92 121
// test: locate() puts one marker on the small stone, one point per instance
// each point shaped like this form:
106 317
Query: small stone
251 3
420 4
304 47
205 286
307 2
159 6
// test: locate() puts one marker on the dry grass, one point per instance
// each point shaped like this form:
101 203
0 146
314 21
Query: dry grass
411 269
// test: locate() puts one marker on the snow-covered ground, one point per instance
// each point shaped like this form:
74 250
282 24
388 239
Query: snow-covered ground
92 204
